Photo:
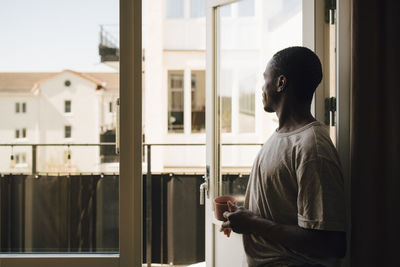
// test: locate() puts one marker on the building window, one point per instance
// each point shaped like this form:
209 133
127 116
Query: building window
67 131
24 107
197 8
16 107
67 106
246 8
175 101
110 107
20 158
175 9
20 133
198 101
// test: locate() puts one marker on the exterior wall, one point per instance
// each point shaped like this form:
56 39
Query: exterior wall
84 120
155 123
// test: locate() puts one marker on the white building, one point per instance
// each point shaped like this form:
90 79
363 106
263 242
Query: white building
55 108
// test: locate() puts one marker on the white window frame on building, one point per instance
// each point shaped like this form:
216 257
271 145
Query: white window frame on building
67 131
20 133
17 107
23 107
195 106
111 107
20 159
67 106
175 108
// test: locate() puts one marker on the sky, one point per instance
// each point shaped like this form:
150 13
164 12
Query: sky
53 35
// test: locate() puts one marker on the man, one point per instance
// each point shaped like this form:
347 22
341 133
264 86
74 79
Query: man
294 212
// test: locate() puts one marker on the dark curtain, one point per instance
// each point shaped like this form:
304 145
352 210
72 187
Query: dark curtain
375 134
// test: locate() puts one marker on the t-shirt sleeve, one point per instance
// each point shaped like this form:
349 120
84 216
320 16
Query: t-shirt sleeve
320 199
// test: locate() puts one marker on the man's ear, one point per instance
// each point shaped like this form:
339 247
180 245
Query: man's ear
281 83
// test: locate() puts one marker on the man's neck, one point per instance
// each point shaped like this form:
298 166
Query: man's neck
292 117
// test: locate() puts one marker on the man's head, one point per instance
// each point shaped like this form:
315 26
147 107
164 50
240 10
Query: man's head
295 72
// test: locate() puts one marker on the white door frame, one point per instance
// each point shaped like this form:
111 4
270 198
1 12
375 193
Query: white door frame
130 182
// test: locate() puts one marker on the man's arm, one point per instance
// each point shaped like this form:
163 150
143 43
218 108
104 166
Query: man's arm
315 243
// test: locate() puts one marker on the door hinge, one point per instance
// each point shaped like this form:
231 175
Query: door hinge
330 111
330 11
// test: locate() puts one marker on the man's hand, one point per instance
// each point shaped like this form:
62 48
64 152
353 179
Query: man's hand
239 220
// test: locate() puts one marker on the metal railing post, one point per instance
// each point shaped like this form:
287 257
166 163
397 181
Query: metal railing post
34 154
148 208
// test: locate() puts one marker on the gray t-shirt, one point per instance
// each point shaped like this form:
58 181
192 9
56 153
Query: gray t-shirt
296 179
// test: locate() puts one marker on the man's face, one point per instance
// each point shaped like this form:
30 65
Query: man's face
269 90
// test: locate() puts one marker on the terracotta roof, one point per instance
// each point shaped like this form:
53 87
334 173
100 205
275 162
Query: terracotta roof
20 81
25 82
111 79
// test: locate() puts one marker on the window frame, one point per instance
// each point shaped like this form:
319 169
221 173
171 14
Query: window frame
66 111
193 72
67 129
170 73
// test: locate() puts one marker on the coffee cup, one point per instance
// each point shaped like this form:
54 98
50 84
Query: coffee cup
221 205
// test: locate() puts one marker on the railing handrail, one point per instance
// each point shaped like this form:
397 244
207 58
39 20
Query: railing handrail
59 144
112 143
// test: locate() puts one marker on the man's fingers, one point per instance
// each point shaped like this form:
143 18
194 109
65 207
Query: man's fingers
226 214
227 232
225 225
231 206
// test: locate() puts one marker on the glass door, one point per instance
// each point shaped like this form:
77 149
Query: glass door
242 37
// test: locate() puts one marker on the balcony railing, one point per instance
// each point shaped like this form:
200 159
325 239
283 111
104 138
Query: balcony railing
159 189
109 43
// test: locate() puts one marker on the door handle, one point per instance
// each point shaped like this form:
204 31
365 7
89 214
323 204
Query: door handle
203 189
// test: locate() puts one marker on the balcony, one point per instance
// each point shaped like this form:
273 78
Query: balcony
109 44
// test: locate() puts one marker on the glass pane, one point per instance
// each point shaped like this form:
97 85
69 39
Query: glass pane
244 47
174 8
198 85
59 171
197 8
176 101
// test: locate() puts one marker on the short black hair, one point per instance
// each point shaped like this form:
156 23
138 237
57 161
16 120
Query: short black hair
301 67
